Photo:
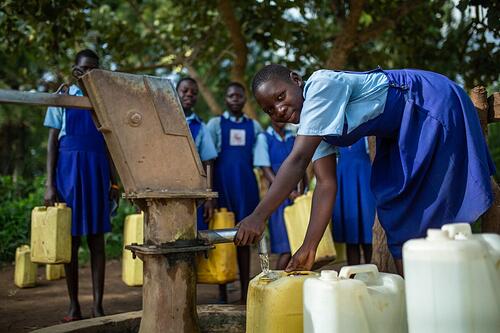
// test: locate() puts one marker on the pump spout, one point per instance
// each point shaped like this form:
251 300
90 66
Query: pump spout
218 236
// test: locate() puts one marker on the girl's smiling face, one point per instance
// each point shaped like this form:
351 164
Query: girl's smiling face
281 100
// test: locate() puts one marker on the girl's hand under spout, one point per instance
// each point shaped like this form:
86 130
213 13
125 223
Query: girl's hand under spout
250 230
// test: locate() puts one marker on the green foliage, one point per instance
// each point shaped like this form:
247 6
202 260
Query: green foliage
494 146
114 239
16 202
19 197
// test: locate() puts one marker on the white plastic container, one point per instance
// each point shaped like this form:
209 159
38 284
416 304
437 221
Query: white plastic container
371 302
452 281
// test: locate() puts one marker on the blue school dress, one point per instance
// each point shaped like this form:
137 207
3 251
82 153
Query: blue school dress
354 211
82 174
432 165
206 150
234 179
277 150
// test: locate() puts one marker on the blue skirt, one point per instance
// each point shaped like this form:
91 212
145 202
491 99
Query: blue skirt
82 180
354 211
277 230
432 165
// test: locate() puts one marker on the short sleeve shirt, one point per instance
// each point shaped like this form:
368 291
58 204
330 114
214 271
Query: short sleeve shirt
334 99
56 116
203 141
214 128
261 156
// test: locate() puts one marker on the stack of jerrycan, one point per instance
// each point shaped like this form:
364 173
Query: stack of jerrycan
54 272
51 234
452 281
133 232
274 302
371 302
25 270
296 222
219 265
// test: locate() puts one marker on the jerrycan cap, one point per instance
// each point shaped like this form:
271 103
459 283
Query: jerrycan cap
458 231
61 205
329 275
223 210
437 235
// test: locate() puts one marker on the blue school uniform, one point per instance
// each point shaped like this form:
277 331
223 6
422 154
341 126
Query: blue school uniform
234 179
206 150
272 153
82 171
432 165
354 211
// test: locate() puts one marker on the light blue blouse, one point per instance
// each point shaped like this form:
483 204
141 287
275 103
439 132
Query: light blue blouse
261 155
332 99
203 141
56 116
214 129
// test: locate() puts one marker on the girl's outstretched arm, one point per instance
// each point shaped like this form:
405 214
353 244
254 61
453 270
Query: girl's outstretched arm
321 213
289 174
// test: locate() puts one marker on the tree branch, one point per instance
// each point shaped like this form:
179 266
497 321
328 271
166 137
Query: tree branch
347 37
388 22
238 41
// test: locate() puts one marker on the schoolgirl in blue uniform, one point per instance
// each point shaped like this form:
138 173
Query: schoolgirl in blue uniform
235 138
354 210
187 88
275 145
432 165
80 174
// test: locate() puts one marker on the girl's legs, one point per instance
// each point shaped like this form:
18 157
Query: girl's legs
223 293
367 252
98 262
71 271
244 269
283 260
353 254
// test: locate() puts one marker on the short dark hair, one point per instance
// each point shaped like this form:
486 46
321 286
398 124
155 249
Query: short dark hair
87 53
269 72
187 78
235 84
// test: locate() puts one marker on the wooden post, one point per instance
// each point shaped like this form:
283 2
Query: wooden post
381 255
488 112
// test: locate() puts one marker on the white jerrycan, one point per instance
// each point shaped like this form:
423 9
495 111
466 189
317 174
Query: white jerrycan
452 280
371 302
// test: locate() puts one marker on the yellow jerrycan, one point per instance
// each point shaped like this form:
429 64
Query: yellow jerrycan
25 270
221 265
133 232
274 302
51 234
296 222
54 272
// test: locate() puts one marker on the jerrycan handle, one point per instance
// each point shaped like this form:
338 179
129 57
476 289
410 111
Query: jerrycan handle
347 271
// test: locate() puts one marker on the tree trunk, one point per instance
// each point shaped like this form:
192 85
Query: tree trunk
205 92
490 221
238 41
346 39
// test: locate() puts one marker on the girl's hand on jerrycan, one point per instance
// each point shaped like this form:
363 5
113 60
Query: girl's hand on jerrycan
50 196
250 230
302 260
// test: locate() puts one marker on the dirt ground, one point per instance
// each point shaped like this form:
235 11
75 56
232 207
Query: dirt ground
23 310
